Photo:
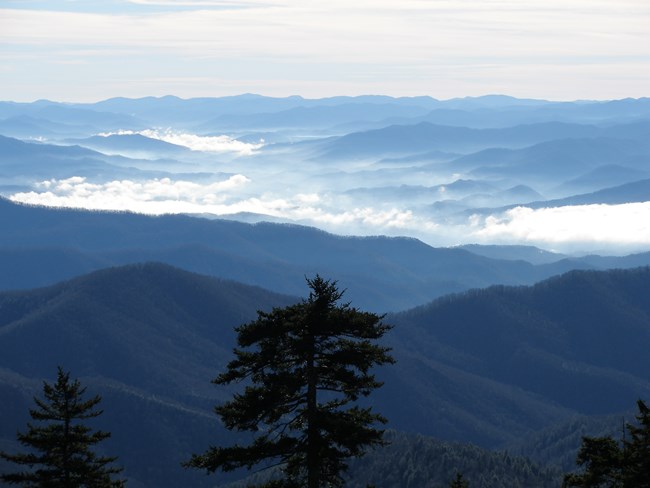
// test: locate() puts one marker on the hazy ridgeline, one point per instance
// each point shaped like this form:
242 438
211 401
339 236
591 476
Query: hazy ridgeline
448 172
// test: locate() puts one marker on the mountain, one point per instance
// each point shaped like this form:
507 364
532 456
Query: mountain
531 254
236 109
492 111
25 126
45 161
131 145
637 191
323 116
425 137
630 116
604 176
489 366
148 339
557 445
13 149
556 160
67 114
416 461
456 189
578 340
382 273
26 162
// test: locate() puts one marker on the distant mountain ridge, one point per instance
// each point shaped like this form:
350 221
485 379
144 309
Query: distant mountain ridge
383 274
426 136
134 145
517 151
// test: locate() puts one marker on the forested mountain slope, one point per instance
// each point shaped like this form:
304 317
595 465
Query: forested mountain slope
579 340
416 461
381 273
40 246
488 366
148 339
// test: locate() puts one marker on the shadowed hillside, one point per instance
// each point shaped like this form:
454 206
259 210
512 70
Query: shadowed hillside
488 366
381 273
577 343
148 338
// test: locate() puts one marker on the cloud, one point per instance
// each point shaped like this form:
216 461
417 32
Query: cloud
157 196
164 196
216 144
386 46
596 228
587 226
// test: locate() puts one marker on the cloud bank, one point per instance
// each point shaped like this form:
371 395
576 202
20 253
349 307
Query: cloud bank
626 225
155 197
215 144
615 228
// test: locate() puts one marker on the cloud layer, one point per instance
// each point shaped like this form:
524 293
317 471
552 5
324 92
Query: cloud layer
216 144
563 49
625 225
615 228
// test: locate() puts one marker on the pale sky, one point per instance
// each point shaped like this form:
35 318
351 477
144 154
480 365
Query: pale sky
88 50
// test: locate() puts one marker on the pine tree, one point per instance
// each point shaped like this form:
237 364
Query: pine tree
306 365
602 458
636 450
60 449
612 464
459 482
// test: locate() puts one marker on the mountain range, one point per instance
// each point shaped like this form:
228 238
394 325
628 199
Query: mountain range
488 366
347 165
40 246
137 233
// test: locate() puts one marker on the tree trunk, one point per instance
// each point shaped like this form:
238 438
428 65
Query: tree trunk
312 407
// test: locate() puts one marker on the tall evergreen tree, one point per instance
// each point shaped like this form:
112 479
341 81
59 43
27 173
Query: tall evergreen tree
459 482
60 449
305 366
636 450
612 464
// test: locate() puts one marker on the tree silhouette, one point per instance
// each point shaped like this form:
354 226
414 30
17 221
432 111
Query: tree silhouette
61 448
459 482
609 463
305 365
637 450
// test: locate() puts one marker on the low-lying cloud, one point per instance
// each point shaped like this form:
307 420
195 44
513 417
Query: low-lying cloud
227 197
214 144
587 226
156 196
597 228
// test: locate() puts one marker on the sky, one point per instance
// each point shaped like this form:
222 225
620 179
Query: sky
89 50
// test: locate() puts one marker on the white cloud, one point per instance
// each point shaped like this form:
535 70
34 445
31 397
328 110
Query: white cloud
217 144
586 226
157 196
596 228
437 47
163 196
